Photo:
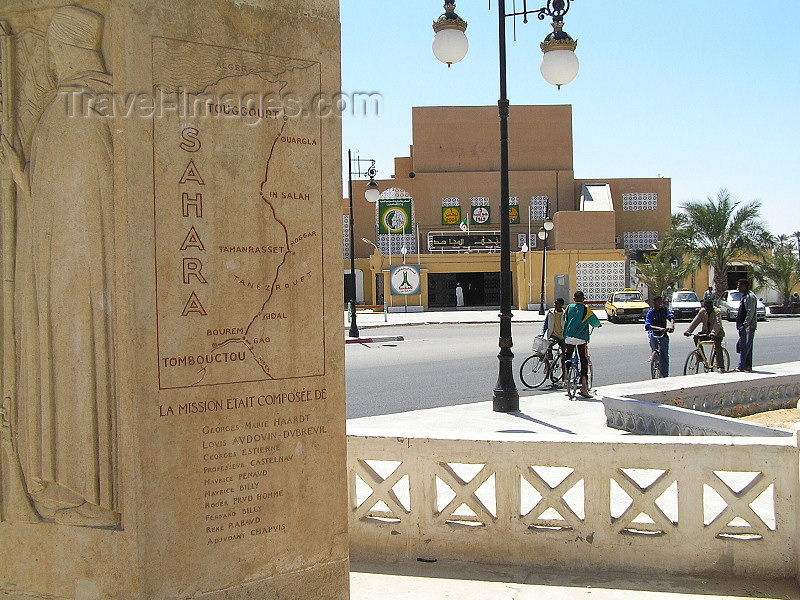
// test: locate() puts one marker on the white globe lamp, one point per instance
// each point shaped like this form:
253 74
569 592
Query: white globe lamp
450 43
559 64
372 192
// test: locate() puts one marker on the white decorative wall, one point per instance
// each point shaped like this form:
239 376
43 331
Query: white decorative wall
646 201
598 278
640 240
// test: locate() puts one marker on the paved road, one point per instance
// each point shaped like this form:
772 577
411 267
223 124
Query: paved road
445 365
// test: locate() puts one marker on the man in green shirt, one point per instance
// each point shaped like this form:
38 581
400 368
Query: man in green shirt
577 319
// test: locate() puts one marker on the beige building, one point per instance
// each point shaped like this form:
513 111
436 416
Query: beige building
443 201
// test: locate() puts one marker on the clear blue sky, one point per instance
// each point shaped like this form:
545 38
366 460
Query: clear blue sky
706 93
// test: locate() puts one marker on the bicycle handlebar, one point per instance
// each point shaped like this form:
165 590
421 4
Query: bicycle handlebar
704 336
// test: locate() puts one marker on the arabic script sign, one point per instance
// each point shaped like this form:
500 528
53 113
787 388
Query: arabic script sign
463 241
395 216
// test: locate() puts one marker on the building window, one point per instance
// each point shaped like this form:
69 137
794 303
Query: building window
539 205
522 238
598 278
647 201
641 240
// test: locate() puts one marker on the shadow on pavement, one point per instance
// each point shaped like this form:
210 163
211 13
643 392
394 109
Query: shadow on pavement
522 415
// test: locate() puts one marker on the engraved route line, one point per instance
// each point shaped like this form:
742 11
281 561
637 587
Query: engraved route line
243 339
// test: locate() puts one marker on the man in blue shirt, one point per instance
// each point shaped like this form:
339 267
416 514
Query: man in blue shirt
659 323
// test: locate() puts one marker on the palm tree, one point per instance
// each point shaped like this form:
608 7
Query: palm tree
781 268
782 242
796 236
658 271
717 232
685 244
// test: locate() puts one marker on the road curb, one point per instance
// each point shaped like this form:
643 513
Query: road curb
515 321
374 340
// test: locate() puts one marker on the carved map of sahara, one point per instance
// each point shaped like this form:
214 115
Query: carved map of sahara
231 290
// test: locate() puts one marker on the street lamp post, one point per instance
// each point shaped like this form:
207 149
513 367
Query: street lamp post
544 232
371 243
525 260
559 66
371 194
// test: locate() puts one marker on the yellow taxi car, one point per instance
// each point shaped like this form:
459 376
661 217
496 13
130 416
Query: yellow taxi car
626 305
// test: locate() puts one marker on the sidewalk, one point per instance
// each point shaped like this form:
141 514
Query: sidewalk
540 415
543 416
370 320
447 580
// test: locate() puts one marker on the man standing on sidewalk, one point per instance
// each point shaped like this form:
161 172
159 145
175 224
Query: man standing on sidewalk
459 295
746 320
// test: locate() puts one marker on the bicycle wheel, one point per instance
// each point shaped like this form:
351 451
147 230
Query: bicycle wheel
534 370
726 359
655 365
589 376
556 369
692 364
573 378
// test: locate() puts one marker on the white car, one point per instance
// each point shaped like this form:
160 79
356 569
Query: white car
729 305
684 304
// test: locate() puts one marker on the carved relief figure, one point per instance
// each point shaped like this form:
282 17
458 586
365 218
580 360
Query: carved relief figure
66 408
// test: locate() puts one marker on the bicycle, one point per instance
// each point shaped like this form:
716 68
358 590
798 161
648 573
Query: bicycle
573 375
655 356
697 357
543 363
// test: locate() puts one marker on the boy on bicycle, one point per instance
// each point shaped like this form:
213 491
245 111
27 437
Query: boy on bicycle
711 319
553 328
659 323
577 319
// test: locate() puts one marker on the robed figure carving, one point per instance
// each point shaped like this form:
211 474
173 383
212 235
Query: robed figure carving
64 302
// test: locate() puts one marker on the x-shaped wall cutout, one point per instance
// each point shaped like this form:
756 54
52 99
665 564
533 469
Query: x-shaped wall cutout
738 505
643 500
465 492
551 497
381 490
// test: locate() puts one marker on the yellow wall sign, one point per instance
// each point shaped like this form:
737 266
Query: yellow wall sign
451 215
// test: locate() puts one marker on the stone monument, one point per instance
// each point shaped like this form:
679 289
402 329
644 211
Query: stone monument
172 391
